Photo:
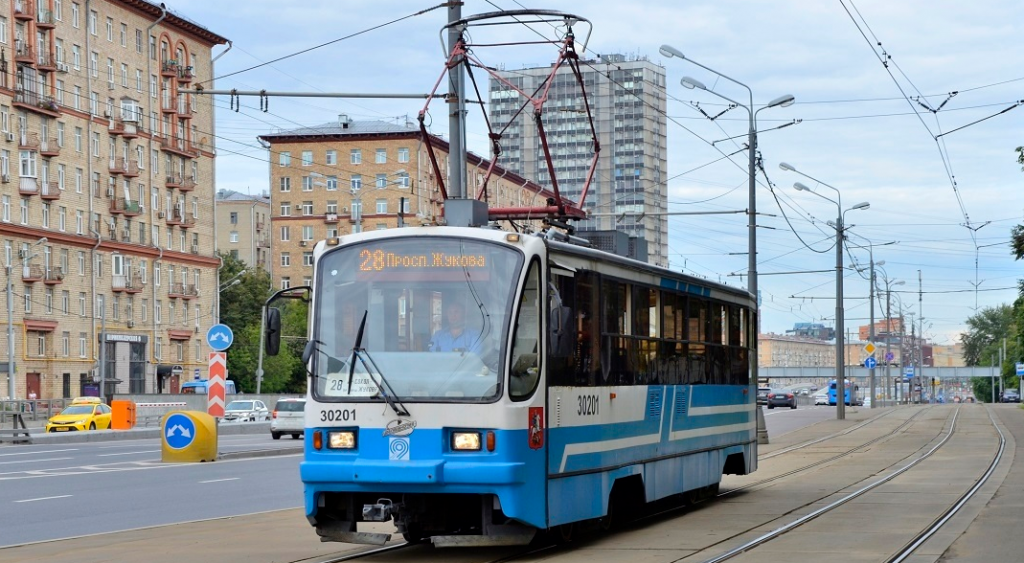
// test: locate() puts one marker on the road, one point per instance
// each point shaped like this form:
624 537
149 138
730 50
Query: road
51 491
65 490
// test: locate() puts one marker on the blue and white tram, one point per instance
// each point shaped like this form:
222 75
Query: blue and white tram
577 383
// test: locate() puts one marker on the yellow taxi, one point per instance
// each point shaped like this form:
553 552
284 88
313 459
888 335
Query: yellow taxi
84 413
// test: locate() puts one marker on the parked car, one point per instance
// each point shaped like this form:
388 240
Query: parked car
84 413
1011 396
289 417
780 398
821 398
762 395
246 411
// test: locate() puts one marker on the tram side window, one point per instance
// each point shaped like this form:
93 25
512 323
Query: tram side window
588 305
615 360
563 333
525 371
697 365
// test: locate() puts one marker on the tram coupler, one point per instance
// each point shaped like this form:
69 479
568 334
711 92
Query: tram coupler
379 512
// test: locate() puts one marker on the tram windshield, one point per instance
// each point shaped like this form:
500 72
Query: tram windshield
436 317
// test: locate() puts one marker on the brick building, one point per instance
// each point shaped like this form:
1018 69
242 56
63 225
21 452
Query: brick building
102 156
243 227
348 176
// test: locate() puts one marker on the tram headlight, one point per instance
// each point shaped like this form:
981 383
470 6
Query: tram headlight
466 441
344 440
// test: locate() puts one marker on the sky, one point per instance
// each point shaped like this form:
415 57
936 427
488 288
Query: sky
920 137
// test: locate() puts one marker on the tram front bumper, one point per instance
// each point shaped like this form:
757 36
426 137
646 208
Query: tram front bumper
366 472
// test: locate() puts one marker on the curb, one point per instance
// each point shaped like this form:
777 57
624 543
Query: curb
39 436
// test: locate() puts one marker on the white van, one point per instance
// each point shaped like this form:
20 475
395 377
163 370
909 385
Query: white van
288 417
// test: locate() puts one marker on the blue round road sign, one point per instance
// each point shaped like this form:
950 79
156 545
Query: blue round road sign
220 337
179 431
870 363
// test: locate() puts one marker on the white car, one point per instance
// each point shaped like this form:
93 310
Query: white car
821 398
288 418
246 411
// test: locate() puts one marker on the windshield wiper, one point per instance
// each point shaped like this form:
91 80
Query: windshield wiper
383 387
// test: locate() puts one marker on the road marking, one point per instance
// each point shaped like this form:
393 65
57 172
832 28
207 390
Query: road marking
35 460
42 498
219 480
41 452
128 453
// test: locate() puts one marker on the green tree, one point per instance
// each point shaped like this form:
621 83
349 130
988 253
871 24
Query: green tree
986 331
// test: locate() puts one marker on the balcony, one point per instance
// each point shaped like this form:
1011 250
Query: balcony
28 185
178 146
173 181
168 105
24 10
31 273
185 109
49 147
263 243
186 221
331 218
169 68
174 218
124 127
181 290
259 225
44 19
53 276
187 184
28 141
46 62
126 284
34 101
131 168
126 207
51 190
23 53
185 75
116 166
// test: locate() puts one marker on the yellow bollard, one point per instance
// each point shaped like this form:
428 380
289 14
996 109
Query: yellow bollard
188 436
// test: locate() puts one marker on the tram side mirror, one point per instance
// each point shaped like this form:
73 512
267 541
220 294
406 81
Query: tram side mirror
307 352
272 331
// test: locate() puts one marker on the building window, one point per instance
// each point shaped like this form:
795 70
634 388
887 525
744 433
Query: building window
234 217
380 156
382 206
286 259
307 183
286 184
357 183
355 156
403 155
307 258
307 208
307 232
332 183
286 282
332 157
234 236
382 180
403 179
285 233
286 208
307 158
285 159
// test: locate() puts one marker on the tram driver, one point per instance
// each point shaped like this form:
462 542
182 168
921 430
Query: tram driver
456 337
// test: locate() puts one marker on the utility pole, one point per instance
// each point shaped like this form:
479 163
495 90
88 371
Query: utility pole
456 111
920 320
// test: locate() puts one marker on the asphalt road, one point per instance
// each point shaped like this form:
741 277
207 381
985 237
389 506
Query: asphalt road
51 491
66 490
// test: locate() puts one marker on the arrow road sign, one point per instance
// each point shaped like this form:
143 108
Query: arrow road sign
179 431
220 337
870 363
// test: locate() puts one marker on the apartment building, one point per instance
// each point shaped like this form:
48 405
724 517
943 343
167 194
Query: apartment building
347 176
626 96
243 227
106 195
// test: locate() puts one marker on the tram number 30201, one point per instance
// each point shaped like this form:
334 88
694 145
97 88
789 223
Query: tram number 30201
337 415
587 405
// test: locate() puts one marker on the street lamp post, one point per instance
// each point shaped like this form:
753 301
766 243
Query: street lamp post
871 302
889 283
840 343
10 318
782 101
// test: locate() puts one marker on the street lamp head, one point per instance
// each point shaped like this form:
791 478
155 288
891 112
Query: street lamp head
880 263
800 187
901 282
782 101
670 51
691 83
40 241
787 167
861 205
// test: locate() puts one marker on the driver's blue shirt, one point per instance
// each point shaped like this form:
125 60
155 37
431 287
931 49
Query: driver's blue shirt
467 340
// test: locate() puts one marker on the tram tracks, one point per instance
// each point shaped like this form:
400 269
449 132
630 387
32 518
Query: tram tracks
907 550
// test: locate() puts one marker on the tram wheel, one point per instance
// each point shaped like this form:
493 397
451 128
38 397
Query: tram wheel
565 532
